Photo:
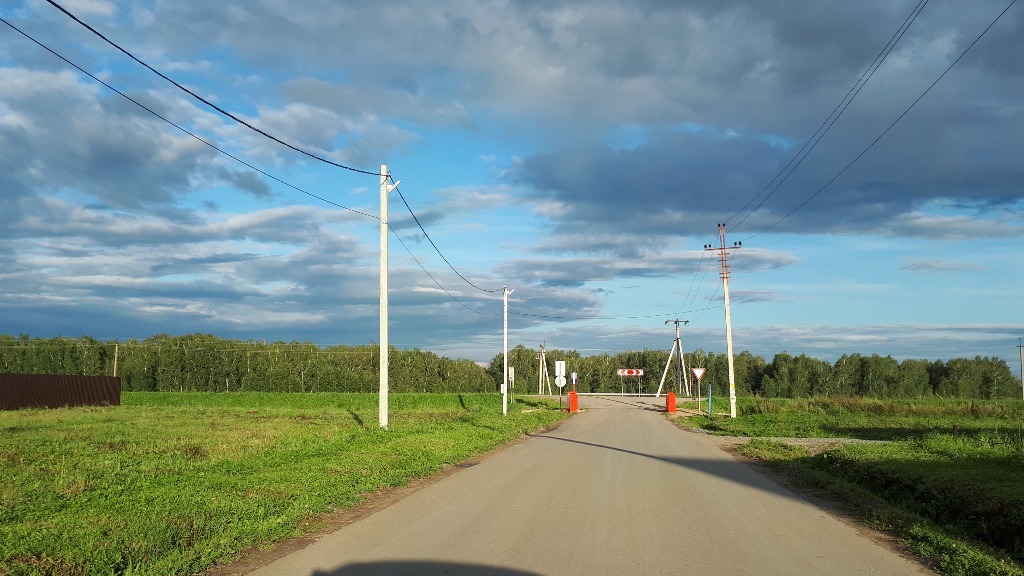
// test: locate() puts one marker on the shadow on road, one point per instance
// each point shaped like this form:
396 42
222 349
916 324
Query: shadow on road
726 469
421 568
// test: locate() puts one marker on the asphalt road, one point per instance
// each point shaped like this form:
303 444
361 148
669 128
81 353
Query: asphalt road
615 490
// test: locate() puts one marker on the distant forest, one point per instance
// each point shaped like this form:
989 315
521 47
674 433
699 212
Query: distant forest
202 362
785 376
205 363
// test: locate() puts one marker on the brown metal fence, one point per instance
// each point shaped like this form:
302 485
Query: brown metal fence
53 391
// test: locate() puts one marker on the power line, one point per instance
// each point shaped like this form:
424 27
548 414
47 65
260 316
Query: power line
773 185
890 127
184 130
445 290
831 119
687 301
285 183
207 102
213 146
436 249
309 154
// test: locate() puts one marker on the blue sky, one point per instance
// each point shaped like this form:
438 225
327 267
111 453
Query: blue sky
581 153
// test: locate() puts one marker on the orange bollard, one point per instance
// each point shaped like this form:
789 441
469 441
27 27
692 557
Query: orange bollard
574 402
670 402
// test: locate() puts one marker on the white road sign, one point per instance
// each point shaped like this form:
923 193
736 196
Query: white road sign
560 381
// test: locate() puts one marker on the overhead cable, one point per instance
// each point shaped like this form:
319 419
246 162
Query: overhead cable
431 276
890 127
207 102
830 120
186 131
436 249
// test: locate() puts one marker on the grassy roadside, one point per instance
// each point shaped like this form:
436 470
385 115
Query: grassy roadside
946 481
172 483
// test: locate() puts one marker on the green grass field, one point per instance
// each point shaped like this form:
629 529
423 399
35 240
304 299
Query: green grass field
172 483
946 476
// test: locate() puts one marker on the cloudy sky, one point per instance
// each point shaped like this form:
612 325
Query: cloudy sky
581 153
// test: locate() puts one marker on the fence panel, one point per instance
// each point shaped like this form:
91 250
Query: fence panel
54 391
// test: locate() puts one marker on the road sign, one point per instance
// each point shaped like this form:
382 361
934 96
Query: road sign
573 378
698 373
560 381
630 372
559 367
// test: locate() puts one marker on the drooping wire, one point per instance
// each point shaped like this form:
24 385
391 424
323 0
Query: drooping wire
888 128
436 249
687 301
431 276
272 177
830 120
773 185
325 200
207 102
182 129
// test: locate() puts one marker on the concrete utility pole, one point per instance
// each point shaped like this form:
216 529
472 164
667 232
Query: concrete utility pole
504 380
723 259
384 190
1020 350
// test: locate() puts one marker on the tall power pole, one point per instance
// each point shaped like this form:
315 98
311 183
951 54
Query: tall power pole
723 259
384 190
1020 350
504 380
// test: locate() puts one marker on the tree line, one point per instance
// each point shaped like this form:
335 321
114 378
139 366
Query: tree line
786 375
206 363
202 362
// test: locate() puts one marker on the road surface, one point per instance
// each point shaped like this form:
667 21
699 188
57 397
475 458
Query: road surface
615 490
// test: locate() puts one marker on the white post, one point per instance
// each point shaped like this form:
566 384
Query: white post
728 321
728 340
115 359
540 371
504 379
664 374
1020 348
383 402
682 364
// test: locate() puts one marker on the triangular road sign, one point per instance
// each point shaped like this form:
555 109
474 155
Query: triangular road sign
698 373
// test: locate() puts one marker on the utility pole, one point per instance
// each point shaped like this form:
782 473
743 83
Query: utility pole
676 350
504 380
384 190
1020 350
723 259
682 377
542 373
